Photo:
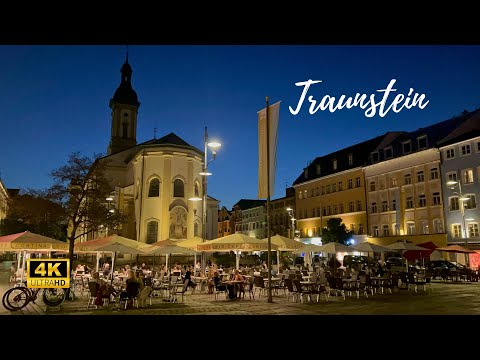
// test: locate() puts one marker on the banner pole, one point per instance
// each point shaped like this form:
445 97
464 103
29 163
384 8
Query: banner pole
268 211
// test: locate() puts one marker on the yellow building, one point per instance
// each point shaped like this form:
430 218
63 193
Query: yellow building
225 222
333 186
3 201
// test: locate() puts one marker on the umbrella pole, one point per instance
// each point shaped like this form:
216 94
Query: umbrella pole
113 262
278 261
237 260
98 259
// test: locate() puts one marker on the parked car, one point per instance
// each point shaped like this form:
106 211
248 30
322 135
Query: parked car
358 261
441 268
395 263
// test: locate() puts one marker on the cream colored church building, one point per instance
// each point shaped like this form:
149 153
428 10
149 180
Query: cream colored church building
152 181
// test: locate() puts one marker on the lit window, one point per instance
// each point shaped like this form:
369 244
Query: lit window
351 206
410 228
472 230
433 173
467 176
394 182
394 205
457 230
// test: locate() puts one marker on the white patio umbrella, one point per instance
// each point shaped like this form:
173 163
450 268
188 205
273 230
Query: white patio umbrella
168 250
236 242
308 249
284 244
117 247
334 248
367 247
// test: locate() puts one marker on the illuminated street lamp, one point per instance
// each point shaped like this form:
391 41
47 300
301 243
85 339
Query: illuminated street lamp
213 146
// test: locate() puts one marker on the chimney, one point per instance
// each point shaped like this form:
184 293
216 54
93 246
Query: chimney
305 172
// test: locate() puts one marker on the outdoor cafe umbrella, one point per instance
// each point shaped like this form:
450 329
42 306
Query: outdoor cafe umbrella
236 242
412 255
31 242
458 249
367 247
168 250
95 244
284 244
192 243
117 247
308 249
334 248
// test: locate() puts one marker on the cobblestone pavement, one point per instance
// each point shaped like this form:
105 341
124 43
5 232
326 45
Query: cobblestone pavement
440 299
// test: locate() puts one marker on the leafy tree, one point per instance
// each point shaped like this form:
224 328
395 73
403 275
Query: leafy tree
34 211
81 188
336 231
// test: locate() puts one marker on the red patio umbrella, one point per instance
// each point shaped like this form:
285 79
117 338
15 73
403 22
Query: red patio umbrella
412 255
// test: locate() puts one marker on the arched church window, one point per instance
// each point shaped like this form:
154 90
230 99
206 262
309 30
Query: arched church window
152 231
196 191
178 188
154 188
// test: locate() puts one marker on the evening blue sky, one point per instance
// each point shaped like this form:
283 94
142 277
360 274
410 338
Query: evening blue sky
54 100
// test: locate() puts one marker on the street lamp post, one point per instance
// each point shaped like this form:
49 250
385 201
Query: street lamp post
213 145
292 219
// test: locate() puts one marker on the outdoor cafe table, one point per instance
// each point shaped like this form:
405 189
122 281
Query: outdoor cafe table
235 287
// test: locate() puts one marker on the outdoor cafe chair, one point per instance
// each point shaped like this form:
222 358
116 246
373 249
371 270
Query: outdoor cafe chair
130 294
291 290
179 290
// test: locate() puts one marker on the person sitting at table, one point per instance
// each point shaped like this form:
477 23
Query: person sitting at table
104 289
131 277
217 282
188 276
379 271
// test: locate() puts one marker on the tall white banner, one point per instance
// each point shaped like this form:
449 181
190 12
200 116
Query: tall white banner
273 113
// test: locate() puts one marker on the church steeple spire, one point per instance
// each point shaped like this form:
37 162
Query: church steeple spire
124 105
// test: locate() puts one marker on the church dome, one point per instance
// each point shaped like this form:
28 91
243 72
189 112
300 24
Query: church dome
125 93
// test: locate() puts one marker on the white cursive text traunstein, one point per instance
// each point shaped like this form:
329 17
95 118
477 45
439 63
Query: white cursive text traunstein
362 100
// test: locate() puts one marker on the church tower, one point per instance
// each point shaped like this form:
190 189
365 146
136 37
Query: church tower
124 105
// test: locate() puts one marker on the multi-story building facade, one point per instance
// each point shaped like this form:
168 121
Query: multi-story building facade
3 201
404 186
225 222
250 217
460 181
279 216
333 186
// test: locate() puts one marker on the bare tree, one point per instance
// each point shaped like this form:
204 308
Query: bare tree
81 188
